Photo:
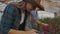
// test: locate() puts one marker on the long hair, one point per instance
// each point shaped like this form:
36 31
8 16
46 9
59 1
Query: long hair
20 5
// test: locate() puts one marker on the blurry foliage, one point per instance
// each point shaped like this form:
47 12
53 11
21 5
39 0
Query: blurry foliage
48 21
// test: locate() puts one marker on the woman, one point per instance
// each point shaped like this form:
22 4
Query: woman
15 15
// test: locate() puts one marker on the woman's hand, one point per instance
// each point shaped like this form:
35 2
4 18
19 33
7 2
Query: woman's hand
34 30
30 32
12 31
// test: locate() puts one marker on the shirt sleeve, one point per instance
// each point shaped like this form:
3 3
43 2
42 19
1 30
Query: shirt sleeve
7 19
34 15
28 24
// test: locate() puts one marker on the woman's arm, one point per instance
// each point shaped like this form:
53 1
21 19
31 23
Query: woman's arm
21 32
12 31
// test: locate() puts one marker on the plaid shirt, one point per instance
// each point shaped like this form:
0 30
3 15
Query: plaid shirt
11 19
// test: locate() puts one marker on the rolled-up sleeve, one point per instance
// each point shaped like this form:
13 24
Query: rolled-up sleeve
7 19
34 18
34 15
28 24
